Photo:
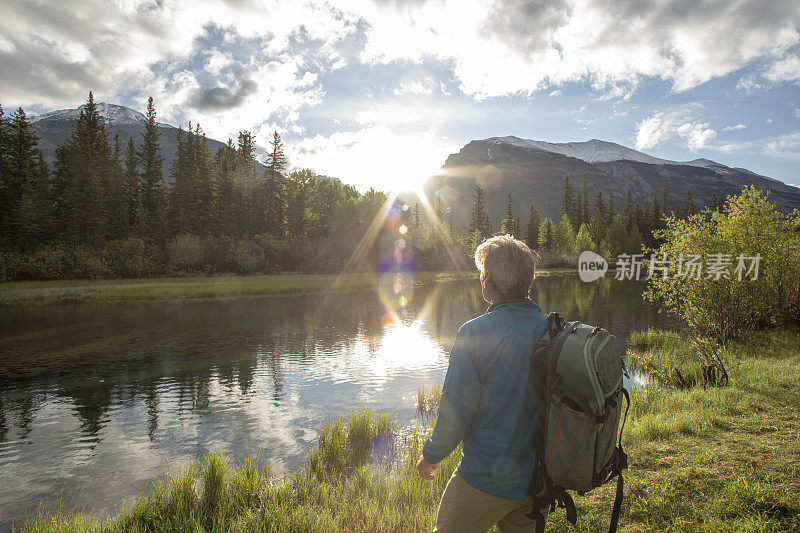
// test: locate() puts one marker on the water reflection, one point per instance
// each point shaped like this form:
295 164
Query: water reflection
109 393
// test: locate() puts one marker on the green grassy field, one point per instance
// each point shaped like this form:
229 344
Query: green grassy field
196 286
717 459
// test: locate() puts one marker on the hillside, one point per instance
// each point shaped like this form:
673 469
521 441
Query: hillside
534 171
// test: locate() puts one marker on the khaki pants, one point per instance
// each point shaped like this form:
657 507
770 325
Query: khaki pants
465 509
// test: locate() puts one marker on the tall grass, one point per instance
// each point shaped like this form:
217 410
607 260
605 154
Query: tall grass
703 459
195 286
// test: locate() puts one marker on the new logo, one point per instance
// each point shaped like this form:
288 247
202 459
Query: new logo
591 266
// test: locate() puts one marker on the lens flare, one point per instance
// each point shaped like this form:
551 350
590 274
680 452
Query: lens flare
396 265
448 197
489 177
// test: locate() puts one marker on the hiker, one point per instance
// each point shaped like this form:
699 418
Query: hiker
487 402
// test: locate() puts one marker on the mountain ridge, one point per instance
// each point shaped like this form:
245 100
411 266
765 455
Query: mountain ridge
533 172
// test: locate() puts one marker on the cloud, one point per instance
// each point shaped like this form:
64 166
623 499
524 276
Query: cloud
786 69
697 135
413 87
505 47
784 146
748 84
555 93
57 51
650 131
734 128
222 98
678 123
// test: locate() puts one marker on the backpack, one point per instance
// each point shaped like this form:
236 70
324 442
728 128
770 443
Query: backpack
577 380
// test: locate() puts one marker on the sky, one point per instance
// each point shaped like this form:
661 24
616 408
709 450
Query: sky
379 92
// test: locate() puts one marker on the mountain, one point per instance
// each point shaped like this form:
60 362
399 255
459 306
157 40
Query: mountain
534 171
55 128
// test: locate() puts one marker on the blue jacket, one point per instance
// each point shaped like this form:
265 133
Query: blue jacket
487 402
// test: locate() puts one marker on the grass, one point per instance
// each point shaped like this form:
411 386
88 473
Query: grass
703 459
216 286
196 286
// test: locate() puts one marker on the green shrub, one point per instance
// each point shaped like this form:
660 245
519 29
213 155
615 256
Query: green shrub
133 258
185 252
724 308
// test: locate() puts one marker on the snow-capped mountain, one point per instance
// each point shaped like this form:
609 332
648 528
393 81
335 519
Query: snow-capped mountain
534 171
111 114
597 151
54 128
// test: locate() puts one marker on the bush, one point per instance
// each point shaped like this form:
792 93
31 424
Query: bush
723 308
185 252
64 261
133 258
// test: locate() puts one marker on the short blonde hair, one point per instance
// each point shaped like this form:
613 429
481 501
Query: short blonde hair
509 262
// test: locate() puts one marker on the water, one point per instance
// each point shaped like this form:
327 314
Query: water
121 391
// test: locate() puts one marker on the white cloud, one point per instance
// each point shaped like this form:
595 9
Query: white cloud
786 69
118 45
734 128
413 87
748 84
697 135
504 47
650 131
679 123
785 146
555 93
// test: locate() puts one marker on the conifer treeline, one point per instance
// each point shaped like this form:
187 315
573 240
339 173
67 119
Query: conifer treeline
218 211
585 223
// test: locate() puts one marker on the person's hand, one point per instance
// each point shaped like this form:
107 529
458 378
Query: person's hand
425 469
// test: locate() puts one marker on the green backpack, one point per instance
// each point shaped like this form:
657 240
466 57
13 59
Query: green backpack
577 373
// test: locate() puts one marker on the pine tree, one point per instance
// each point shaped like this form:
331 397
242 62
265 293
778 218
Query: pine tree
597 225
116 223
181 207
21 170
204 190
565 236
654 221
628 212
568 199
689 208
479 219
224 221
296 187
250 217
131 184
612 207
509 224
547 234
475 241
274 188
34 216
583 240
416 215
82 170
152 187
5 173
584 205
532 228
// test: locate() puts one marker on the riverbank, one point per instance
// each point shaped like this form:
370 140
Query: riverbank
717 459
217 286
